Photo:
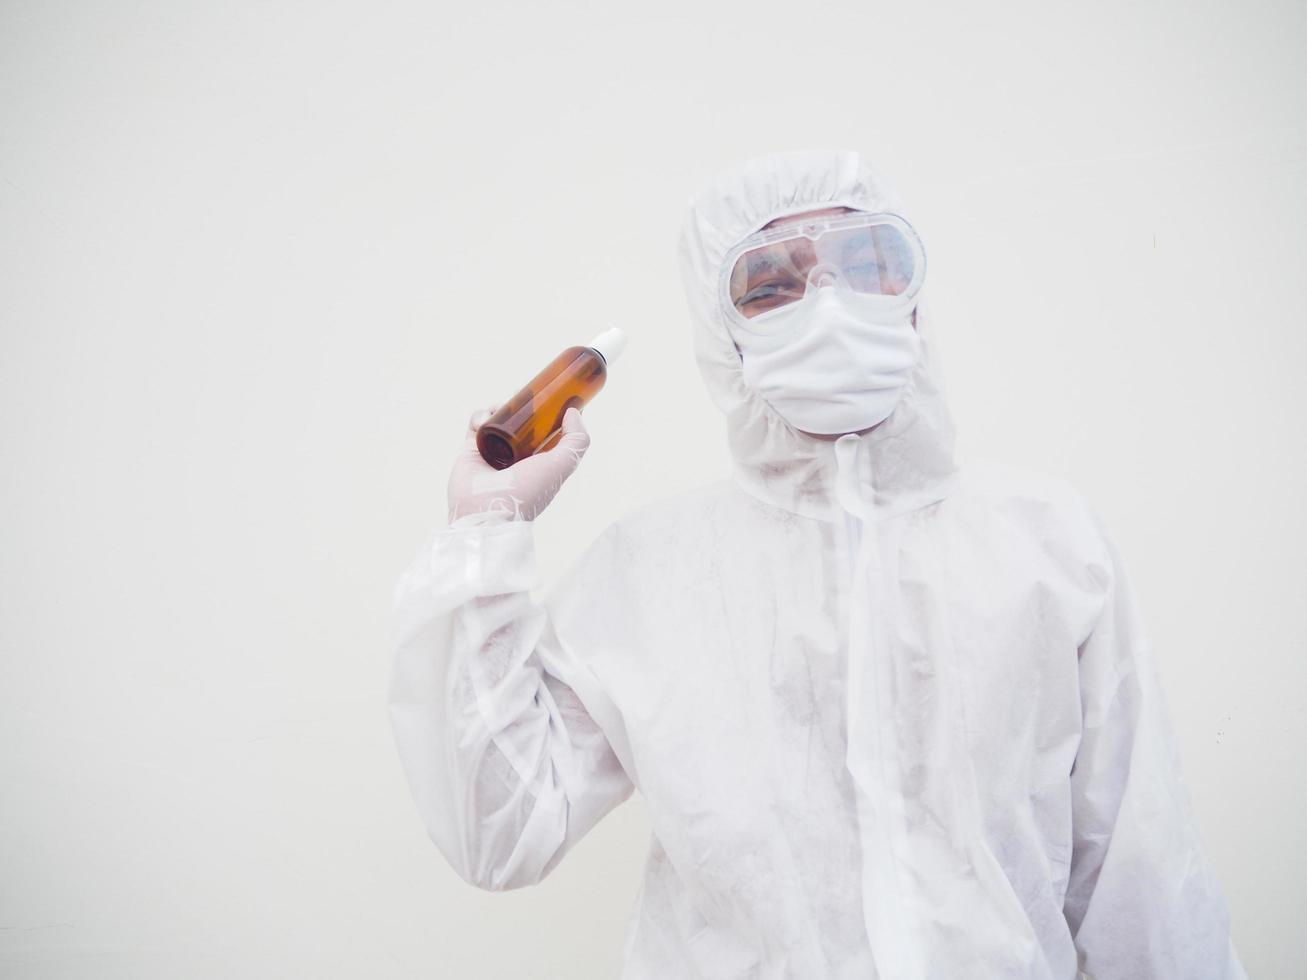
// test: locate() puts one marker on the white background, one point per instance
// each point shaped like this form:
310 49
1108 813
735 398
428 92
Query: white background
259 262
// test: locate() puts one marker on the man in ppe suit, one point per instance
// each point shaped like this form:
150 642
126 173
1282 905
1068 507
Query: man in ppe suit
893 715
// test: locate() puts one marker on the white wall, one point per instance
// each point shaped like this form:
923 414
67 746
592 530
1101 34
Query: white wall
258 263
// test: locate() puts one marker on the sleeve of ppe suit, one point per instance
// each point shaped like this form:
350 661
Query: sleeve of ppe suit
507 767
1142 901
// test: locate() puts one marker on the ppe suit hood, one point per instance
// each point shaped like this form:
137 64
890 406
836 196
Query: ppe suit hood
906 462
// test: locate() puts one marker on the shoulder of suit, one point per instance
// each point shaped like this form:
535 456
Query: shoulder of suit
998 479
1035 496
676 513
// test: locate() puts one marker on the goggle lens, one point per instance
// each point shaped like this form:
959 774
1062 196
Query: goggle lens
872 258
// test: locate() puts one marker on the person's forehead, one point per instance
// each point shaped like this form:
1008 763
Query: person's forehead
816 213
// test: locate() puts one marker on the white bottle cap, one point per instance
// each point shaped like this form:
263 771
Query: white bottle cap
609 343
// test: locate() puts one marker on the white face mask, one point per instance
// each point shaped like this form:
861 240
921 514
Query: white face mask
836 362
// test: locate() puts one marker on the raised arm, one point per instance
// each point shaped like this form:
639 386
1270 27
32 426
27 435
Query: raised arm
506 765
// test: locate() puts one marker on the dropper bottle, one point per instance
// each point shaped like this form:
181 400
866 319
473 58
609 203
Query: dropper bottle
532 420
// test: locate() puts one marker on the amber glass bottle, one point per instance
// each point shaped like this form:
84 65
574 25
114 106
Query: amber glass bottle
532 420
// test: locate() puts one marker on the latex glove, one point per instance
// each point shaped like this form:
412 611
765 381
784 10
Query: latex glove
479 492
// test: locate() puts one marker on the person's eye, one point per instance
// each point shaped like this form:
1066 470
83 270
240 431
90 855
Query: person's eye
759 294
767 292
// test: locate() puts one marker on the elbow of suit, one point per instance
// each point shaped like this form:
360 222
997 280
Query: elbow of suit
508 858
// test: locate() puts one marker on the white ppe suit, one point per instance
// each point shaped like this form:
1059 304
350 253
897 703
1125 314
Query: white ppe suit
892 715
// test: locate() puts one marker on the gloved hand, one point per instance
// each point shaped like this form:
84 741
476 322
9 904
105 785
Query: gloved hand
521 491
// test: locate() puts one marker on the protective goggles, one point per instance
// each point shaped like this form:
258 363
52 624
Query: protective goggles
876 254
